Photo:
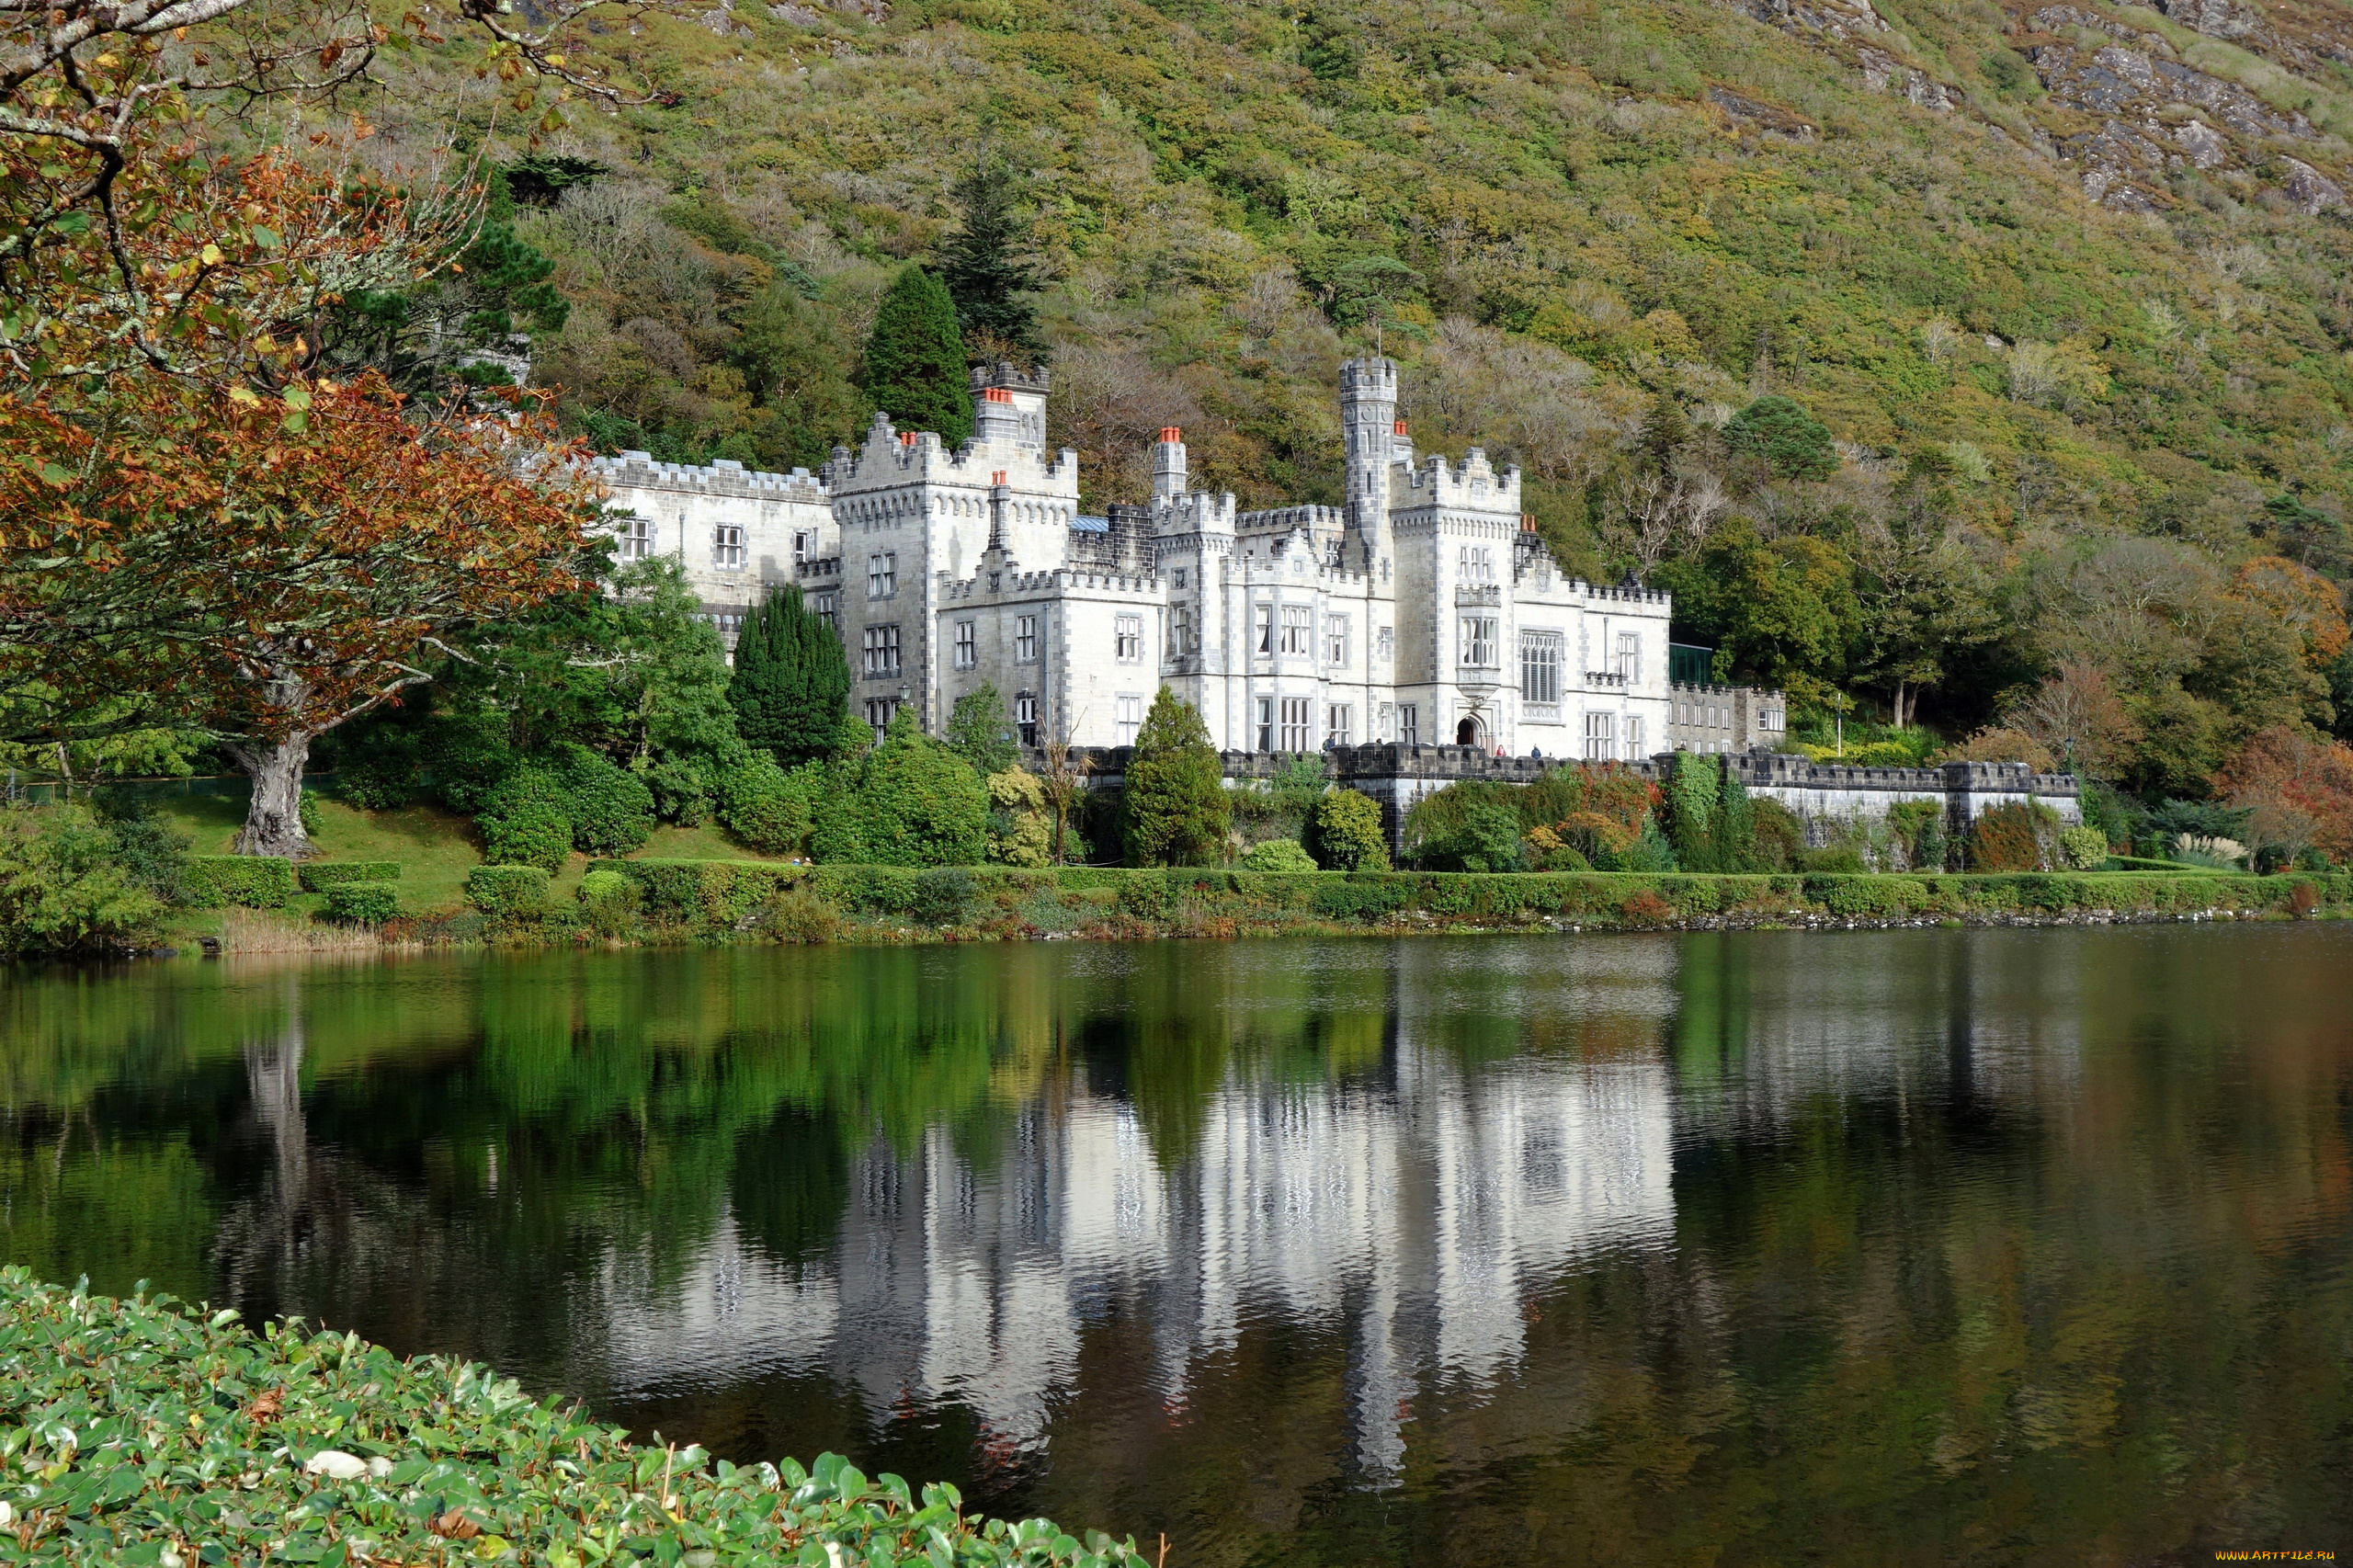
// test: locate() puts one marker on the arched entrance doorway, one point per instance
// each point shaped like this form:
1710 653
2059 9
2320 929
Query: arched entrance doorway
1467 733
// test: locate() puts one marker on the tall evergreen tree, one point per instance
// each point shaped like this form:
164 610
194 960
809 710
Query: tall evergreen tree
915 359
790 685
1175 806
1793 443
981 264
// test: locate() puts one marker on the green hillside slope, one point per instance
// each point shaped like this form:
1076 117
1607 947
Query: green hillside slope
2067 280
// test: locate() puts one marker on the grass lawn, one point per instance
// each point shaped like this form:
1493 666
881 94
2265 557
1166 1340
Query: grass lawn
709 843
435 848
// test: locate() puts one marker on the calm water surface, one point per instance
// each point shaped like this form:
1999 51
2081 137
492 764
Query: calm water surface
1939 1246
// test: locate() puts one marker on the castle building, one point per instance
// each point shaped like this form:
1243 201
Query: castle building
1424 610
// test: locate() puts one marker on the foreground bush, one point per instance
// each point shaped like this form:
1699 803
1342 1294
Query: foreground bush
134 1432
65 888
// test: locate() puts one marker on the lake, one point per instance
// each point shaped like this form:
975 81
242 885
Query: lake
1924 1246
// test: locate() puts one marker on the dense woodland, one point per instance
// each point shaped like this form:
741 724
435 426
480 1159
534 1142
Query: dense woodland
2086 467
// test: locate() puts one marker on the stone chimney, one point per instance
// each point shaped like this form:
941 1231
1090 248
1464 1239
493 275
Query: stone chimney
1168 473
1000 500
995 417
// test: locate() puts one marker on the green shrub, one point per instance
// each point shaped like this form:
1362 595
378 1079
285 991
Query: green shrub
943 896
2084 848
145 846
1148 898
789 685
910 802
318 875
685 789
606 888
538 1474
766 808
1485 838
797 914
1278 855
362 903
61 890
1021 822
244 881
1343 833
526 831
507 892
612 810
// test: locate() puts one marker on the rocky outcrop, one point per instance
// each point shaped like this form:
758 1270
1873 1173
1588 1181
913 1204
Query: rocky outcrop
1829 19
1758 115
2216 18
2116 79
2312 191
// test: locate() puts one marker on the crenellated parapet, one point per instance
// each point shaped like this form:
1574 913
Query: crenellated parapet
889 456
1475 484
724 478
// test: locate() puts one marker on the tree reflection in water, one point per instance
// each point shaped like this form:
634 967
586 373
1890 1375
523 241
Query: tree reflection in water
1999 1246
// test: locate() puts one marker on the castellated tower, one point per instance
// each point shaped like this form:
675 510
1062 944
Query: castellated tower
1367 426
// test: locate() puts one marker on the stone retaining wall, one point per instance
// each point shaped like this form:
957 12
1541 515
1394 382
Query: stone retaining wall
1821 795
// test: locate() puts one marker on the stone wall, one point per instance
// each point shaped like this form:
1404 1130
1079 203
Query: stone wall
1822 795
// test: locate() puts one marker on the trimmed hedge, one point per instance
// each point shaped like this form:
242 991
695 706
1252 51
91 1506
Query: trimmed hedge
706 893
722 898
318 875
136 1429
244 881
362 903
507 891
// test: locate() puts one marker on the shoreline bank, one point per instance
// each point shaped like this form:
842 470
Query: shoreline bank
667 902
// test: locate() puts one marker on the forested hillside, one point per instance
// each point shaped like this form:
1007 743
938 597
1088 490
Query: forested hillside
2064 284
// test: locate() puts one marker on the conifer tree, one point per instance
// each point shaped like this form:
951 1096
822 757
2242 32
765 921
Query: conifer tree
1793 443
1175 807
915 359
790 685
982 268
1665 432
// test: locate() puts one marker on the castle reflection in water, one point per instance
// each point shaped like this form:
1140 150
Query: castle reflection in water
1412 1207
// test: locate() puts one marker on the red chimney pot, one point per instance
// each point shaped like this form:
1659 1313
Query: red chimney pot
1169 433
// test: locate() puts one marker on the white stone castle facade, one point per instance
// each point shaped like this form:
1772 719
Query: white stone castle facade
1424 610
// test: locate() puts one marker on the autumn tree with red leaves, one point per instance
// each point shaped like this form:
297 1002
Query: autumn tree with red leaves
275 568
194 526
2298 791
